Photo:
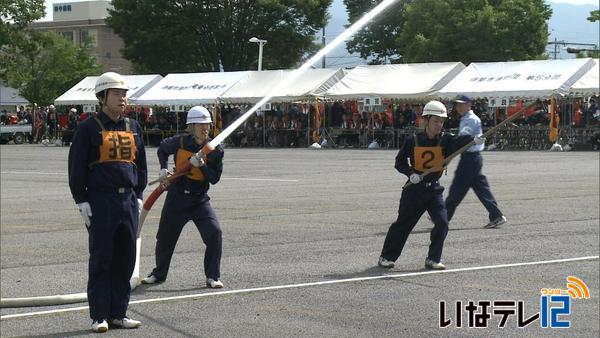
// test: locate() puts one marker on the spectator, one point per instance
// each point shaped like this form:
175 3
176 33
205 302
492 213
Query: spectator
73 119
52 121
592 114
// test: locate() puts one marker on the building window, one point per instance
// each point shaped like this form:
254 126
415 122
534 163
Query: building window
68 35
89 36
62 8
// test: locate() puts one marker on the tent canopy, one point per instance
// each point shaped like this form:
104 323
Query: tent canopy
189 88
10 96
416 80
589 83
258 84
83 92
517 79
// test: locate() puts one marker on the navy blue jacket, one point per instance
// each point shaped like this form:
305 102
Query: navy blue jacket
212 170
448 142
104 176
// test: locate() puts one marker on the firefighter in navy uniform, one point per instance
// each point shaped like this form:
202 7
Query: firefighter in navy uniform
424 150
187 198
107 175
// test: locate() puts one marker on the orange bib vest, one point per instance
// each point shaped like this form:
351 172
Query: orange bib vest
116 145
427 157
182 157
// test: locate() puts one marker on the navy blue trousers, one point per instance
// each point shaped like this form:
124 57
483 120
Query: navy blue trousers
179 209
112 253
415 200
468 175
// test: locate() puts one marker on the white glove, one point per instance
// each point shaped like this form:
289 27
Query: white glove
479 140
140 205
196 160
164 172
86 212
415 178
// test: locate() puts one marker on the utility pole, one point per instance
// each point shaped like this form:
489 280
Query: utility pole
556 43
323 42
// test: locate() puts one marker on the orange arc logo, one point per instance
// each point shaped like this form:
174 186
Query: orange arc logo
577 288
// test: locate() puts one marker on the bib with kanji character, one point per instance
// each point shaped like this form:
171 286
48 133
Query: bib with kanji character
183 156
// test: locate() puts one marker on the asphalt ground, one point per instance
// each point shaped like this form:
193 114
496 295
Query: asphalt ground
302 230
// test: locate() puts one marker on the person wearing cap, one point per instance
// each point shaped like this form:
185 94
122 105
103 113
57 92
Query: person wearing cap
187 198
468 173
107 177
425 150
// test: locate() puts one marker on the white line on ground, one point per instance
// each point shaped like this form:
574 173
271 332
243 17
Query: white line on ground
259 179
31 172
292 286
224 178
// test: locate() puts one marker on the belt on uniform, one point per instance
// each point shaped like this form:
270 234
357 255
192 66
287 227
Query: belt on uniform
428 184
118 190
190 192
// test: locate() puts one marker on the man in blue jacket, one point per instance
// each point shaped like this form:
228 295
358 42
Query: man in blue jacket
468 172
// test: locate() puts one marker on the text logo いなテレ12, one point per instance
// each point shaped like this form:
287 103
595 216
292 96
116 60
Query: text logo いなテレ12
555 307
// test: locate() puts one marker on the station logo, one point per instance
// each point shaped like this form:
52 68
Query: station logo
555 308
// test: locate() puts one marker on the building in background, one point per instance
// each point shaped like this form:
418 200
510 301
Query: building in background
10 99
78 21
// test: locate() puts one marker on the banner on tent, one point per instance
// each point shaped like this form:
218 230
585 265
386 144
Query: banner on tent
495 102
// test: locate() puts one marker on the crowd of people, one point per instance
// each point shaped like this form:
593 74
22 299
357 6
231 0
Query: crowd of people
287 125
47 123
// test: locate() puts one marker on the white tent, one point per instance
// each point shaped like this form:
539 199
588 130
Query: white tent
259 84
83 92
589 83
517 79
416 80
189 88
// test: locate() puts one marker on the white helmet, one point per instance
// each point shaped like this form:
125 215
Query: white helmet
198 114
435 108
73 110
51 107
110 80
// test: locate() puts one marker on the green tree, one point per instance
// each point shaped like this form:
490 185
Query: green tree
15 15
49 66
377 41
594 16
475 30
163 36
40 65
